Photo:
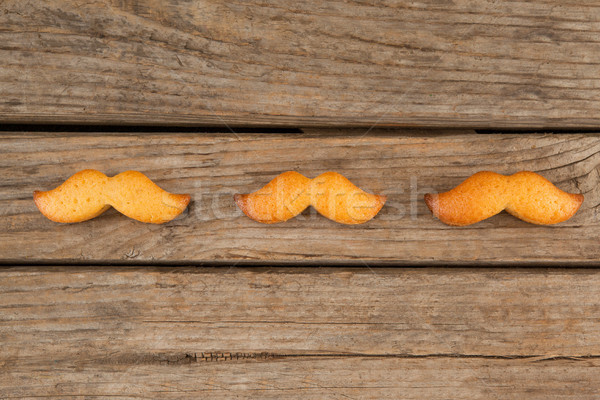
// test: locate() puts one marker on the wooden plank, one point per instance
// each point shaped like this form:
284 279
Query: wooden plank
432 63
315 378
212 167
299 333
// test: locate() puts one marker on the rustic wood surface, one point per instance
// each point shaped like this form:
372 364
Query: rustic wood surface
299 333
131 332
285 62
212 167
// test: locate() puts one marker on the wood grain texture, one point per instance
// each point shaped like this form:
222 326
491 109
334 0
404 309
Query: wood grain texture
299 333
429 63
212 167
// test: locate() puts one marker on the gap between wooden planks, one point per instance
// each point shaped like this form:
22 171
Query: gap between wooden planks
212 167
290 63
299 333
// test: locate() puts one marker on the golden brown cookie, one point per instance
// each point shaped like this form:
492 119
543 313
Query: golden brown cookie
526 195
334 197
89 193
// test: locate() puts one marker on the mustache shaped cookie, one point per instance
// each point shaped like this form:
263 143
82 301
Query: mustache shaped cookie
333 196
526 195
89 193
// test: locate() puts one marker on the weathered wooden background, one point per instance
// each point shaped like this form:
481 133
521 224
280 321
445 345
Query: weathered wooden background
304 309
299 333
287 62
212 167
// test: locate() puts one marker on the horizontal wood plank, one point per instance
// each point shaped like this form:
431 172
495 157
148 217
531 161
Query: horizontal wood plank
315 378
212 167
430 63
299 333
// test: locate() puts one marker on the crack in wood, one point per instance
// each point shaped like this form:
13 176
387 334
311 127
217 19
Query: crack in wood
226 356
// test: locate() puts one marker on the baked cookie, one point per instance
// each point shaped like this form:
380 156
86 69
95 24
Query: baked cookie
526 195
332 195
89 193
